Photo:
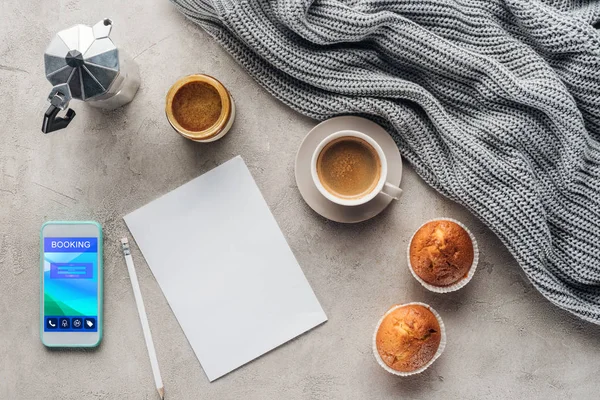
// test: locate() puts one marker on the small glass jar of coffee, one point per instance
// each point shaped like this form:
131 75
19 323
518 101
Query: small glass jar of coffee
200 108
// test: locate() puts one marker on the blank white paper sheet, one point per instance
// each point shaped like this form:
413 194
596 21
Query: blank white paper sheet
225 268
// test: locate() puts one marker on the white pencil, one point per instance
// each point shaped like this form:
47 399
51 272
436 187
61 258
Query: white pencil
143 318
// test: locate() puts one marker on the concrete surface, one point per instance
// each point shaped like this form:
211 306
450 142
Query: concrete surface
504 339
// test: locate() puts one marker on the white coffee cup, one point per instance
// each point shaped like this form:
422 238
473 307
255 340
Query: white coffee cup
382 185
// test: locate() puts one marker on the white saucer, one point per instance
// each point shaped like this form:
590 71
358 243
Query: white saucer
314 198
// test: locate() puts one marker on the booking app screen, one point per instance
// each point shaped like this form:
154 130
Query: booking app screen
70 284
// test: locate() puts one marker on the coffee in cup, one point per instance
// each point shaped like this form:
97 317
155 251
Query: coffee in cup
350 168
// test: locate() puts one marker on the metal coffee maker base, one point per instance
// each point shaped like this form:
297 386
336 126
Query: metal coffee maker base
127 84
83 63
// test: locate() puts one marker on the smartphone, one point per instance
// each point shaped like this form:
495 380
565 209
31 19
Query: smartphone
71 284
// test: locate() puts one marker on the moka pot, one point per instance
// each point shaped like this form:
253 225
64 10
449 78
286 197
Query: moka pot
83 63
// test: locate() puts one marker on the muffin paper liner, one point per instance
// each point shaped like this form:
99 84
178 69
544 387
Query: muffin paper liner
438 353
460 283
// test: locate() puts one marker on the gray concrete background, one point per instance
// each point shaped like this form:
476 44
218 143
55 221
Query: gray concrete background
504 339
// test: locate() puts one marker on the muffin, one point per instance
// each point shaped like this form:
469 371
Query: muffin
441 253
408 337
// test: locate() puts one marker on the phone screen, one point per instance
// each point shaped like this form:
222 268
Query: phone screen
70 284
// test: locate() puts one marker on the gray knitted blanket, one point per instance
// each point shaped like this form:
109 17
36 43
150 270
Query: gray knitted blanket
495 103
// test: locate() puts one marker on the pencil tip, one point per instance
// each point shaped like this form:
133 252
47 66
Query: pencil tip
161 392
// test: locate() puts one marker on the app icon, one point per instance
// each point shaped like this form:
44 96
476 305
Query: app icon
51 323
76 323
89 323
64 323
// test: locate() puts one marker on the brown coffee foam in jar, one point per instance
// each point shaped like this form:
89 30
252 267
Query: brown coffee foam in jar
197 106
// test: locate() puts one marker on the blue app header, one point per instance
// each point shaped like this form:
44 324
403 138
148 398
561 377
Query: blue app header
70 245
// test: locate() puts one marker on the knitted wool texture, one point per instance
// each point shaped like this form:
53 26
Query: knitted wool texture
495 103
